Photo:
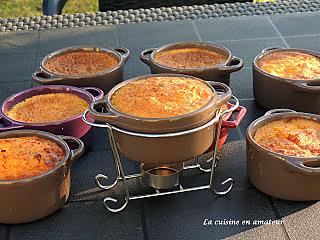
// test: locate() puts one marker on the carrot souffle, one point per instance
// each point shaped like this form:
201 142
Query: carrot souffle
189 58
26 157
161 97
292 65
291 136
81 63
48 108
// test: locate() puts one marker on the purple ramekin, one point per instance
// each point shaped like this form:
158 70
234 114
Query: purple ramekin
71 127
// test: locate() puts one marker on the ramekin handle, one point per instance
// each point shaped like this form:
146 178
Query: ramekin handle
78 150
241 112
279 110
6 126
97 93
39 77
224 95
124 52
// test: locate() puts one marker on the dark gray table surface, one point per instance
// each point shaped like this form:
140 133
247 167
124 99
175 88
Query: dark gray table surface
178 216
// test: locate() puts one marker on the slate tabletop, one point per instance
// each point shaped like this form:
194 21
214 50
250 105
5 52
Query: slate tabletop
178 216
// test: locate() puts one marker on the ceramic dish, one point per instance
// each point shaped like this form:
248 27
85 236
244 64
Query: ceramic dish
33 198
277 92
278 175
219 72
104 80
183 142
71 127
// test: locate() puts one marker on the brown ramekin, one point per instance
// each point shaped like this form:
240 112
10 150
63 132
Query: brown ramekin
103 110
172 140
276 92
33 198
162 148
72 127
285 177
103 80
219 73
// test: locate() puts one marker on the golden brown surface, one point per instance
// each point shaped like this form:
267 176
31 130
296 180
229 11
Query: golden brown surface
162 171
292 65
160 97
189 58
81 63
48 108
25 157
292 137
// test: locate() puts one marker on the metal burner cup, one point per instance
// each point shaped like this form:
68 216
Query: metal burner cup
165 176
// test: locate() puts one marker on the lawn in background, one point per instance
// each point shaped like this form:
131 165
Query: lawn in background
25 8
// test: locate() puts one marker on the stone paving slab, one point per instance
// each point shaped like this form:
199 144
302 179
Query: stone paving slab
84 220
21 42
180 216
186 215
263 232
307 42
3 231
16 67
301 219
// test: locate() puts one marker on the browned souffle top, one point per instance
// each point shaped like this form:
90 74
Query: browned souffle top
26 157
291 136
161 97
81 63
292 65
189 58
46 108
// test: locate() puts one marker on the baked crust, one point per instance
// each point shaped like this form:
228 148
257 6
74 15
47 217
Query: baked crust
292 65
189 58
161 97
26 157
81 63
46 108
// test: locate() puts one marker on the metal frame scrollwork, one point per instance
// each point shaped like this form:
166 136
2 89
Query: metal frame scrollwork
110 202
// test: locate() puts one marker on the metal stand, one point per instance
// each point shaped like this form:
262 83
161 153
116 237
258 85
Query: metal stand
122 178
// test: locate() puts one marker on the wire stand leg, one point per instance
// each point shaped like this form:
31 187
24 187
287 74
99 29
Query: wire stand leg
120 176
215 161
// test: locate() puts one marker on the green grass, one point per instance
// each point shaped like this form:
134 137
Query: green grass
24 8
